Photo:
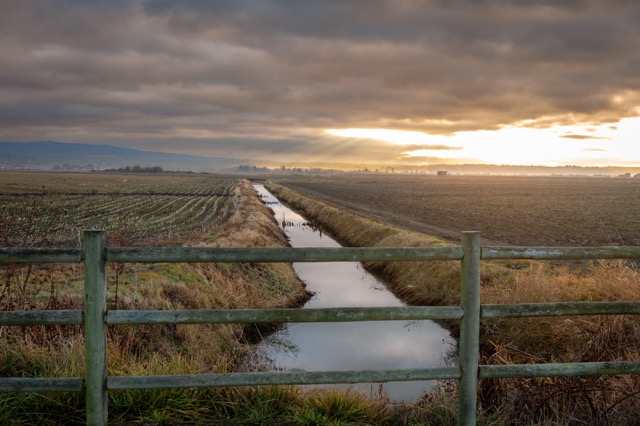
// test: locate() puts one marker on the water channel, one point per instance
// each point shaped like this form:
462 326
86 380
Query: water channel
349 345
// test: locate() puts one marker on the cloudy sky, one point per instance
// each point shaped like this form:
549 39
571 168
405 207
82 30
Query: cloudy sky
398 81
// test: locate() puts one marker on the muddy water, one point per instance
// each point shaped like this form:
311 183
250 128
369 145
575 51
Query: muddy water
351 345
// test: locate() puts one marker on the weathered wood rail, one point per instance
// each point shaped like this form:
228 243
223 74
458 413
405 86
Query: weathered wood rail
96 317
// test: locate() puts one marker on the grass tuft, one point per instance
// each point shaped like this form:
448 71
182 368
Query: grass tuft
339 408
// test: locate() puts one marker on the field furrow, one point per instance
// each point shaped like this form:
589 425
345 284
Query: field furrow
54 209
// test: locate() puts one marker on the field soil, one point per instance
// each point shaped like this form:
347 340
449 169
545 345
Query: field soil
507 210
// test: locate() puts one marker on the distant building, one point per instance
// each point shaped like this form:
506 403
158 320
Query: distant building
443 173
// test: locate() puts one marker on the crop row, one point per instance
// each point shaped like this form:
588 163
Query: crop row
128 218
61 184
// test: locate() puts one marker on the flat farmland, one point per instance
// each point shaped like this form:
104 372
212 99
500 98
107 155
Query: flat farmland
507 210
42 209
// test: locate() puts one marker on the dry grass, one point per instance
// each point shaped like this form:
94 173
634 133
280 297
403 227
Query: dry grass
590 400
142 349
567 339
587 400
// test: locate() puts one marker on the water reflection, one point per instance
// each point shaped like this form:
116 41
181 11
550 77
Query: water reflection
352 345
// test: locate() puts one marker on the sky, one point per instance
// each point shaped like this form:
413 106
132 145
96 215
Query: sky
363 81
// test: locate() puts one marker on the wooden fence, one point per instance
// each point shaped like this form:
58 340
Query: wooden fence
96 317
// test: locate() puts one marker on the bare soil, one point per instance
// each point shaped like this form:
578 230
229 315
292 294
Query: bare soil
508 210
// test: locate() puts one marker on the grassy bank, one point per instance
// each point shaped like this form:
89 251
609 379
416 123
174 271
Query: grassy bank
589 400
146 350
419 283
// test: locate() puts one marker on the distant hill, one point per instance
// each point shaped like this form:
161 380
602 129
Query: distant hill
48 155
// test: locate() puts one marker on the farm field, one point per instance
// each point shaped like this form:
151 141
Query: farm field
52 209
40 209
508 210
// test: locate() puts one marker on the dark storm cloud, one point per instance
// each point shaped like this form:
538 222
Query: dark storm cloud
256 72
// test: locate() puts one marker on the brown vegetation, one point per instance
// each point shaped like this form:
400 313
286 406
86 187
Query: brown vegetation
146 350
590 400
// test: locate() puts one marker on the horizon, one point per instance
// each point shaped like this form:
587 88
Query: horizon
51 160
411 83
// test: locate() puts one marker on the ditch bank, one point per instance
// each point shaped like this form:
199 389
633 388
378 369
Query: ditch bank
558 400
255 285
415 283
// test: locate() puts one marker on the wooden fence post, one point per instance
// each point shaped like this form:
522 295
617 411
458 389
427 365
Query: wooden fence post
469 329
95 309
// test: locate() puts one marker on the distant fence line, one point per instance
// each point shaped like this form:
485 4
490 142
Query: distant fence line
95 317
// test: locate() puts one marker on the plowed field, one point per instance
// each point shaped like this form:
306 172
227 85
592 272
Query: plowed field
41 209
526 211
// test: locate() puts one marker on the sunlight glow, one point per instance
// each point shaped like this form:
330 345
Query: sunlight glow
398 137
608 144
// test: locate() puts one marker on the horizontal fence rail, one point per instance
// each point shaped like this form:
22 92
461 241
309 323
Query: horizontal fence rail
560 253
265 255
40 255
57 317
56 384
282 378
258 316
95 317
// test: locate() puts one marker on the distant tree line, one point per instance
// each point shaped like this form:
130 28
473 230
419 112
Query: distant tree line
248 168
137 169
73 167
